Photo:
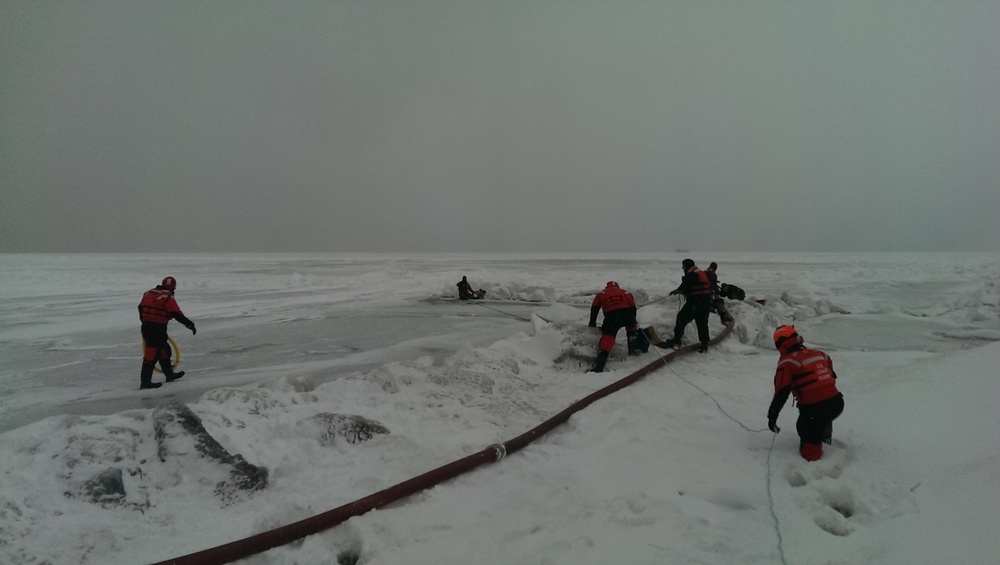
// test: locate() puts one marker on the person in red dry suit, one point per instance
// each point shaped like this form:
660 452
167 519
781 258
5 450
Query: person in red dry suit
809 376
696 286
619 312
156 309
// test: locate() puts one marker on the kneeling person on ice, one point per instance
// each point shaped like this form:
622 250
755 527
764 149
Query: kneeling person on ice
619 312
465 291
156 310
809 376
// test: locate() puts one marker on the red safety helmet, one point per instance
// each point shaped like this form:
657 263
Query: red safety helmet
169 283
612 284
783 333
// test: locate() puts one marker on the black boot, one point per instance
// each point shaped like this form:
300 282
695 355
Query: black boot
828 434
602 358
146 376
168 371
634 348
674 343
703 348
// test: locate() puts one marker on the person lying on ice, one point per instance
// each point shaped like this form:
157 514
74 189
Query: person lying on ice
809 376
731 292
156 310
619 312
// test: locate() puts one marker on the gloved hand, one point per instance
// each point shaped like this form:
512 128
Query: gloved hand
194 330
772 424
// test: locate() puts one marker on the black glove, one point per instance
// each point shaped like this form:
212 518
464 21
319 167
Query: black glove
772 424
194 330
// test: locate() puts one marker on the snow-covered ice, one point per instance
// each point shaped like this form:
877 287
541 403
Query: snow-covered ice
677 468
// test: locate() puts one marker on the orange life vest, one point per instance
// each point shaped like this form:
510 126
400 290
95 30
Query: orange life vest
809 373
157 306
704 285
611 299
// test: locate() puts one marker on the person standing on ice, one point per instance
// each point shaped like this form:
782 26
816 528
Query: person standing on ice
696 286
718 303
619 312
809 376
156 309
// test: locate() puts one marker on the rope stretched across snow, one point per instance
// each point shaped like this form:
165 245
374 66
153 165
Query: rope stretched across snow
264 541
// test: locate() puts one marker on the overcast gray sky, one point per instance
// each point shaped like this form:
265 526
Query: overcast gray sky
508 126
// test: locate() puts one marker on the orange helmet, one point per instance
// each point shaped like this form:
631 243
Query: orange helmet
169 283
612 284
783 332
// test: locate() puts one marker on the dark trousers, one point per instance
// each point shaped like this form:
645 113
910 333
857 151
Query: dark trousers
614 321
815 419
719 307
157 344
697 310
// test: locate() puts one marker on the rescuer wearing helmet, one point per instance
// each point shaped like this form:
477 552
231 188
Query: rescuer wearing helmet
696 286
619 312
156 309
809 376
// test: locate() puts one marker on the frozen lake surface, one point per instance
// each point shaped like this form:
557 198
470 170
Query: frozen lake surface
283 339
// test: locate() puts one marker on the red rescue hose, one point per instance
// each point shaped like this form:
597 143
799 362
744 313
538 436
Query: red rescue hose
264 541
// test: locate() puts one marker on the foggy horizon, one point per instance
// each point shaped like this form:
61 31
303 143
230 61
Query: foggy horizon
457 126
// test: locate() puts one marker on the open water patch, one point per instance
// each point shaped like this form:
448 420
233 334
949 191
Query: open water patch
861 333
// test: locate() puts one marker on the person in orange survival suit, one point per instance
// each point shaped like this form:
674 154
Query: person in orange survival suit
619 312
696 286
809 376
156 309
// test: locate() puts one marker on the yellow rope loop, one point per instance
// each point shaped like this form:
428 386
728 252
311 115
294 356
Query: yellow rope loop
177 354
